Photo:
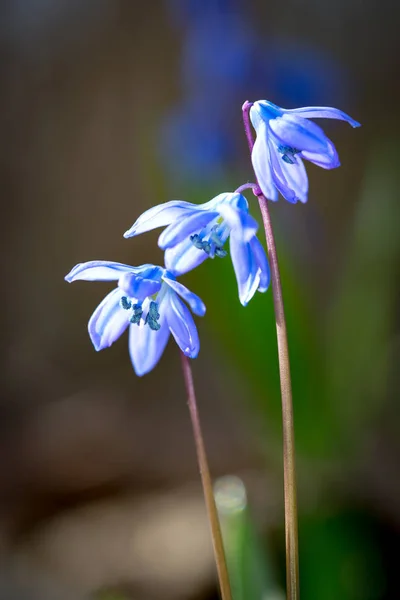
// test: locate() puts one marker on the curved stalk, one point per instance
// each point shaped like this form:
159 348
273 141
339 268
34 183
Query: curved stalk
212 512
289 463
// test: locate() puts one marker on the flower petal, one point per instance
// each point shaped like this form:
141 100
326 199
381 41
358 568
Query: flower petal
98 270
323 112
326 160
182 325
183 257
137 286
159 216
108 321
245 268
264 273
146 345
296 177
261 163
279 178
297 132
263 111
184 227
196 304
241 221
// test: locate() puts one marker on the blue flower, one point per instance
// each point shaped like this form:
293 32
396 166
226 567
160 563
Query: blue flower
147 300
198 231
284 138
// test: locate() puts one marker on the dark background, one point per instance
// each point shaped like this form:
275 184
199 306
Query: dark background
107 108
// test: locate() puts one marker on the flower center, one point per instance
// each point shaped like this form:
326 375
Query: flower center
210 241
288 154
152 316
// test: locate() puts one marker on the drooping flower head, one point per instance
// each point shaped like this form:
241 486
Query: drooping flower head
284 138
147 300
196 232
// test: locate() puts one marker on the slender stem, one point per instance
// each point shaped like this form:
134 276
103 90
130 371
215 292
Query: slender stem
289 464
246 186
216 535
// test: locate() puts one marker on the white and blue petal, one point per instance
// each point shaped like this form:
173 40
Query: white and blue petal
98 270
296 177
260 158
279 178
245 267
263 111
299 133
184 227
138 286
322 112
108 321
146 346
196 304
239 220
159 216
327 160
183 257
263 273
181 325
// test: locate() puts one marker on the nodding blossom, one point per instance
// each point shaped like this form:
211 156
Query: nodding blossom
148 301
195 232
284 138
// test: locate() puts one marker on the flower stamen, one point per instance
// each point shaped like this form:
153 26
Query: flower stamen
288 154
137 312
125 303
213 246
153 316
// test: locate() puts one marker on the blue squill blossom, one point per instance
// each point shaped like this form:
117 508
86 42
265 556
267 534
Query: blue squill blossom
196 232
284 138
147 300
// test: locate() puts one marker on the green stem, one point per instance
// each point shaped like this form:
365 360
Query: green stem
289 463
212 512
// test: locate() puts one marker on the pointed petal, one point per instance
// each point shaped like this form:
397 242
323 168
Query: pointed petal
264 273
183 257
196 304
323 112
98 270
296 177
279 178
326 160
261 163
146 345
182 326
185 227
297 132
239 220
159 216
108 321
245 268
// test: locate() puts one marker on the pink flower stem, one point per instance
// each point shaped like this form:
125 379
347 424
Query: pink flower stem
289 463
206 481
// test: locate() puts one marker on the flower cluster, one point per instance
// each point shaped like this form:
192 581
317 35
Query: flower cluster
148 300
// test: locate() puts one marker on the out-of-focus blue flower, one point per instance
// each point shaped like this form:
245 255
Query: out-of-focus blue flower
147 300
284 138
196 232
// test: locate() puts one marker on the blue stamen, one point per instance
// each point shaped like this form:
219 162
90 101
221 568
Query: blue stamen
152 317
137 314
125 303
288 154
212 246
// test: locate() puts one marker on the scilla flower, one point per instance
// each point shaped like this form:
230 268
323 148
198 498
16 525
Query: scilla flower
147 300
196 232
284 138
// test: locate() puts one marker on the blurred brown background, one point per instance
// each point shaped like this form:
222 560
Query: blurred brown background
109 107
